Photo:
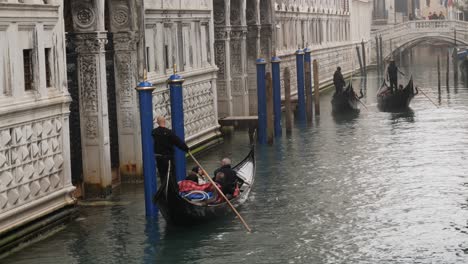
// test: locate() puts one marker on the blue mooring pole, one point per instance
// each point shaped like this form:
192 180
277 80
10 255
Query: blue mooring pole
308 82
145 93
177 116
301 109
261 101
275 68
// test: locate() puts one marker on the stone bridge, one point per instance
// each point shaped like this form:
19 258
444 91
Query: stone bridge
409 34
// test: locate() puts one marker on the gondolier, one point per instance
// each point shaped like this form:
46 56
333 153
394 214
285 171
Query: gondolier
164 142
338 80
392 75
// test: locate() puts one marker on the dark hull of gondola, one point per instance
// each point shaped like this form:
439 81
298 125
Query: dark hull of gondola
180 211
345 102
399 100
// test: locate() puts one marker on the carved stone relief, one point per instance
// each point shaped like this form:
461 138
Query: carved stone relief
31 162
120 15
84 17
87 80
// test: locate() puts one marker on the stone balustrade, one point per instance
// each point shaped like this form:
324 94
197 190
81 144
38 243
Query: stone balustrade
407 34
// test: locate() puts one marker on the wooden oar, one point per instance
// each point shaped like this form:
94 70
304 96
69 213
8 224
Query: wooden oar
222 194
419 89
361 103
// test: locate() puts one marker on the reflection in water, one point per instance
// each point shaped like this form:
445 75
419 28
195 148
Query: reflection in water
372 188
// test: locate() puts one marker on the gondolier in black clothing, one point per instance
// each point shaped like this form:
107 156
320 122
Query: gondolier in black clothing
164 142
338 81
392 75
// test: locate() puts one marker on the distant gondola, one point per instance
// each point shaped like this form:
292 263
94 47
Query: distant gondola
398 100
345 102
181 211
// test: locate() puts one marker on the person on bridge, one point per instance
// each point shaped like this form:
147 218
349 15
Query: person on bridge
392 75
338 81
164 142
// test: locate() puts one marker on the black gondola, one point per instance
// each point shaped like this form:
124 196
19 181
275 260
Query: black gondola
346 101
398 100
181 211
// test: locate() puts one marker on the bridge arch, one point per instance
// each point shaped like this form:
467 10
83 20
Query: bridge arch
417 40
411 33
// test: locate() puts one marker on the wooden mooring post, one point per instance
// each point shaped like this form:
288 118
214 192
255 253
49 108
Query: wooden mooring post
448 71
269 99
287 97
455 66
377 55
316 88
438 74
363 47
360 61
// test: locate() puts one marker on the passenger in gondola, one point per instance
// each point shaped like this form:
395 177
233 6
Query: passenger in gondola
197 171
392 75
338 81
164 142
227 178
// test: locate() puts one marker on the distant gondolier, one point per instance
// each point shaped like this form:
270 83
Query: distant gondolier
164 142
338 81
392 75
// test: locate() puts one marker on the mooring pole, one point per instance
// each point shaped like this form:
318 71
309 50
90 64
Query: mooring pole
287 99
308 82
455 66
145 93
175 82
382 65
301 110
270 108
316 88
261 101
360 61
438 73
275 68
363 47
377 52
448 70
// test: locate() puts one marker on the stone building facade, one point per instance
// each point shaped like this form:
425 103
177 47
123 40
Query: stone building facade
34 126
247 30
69 111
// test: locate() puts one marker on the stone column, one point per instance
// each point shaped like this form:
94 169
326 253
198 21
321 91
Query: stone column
125 28
126 72
240 95
94 117
222 10
253 51
90 38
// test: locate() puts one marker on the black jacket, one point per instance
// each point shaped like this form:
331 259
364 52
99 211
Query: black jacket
230 179
338 79
165 140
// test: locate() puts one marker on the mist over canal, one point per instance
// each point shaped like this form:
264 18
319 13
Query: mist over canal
373 188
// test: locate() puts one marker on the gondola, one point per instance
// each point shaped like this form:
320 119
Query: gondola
181 211
345 102
398 100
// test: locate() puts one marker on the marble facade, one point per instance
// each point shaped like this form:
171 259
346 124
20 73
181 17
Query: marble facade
34 143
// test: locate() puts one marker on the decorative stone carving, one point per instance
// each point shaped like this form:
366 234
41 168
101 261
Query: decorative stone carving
125 41
83 15
21 179
86 43
88 88
120 15
91 127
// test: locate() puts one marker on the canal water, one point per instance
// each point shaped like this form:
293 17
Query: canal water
371 188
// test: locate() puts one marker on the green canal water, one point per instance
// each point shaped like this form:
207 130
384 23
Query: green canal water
373 188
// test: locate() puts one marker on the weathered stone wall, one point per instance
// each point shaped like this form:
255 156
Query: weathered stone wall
34 131
181 33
